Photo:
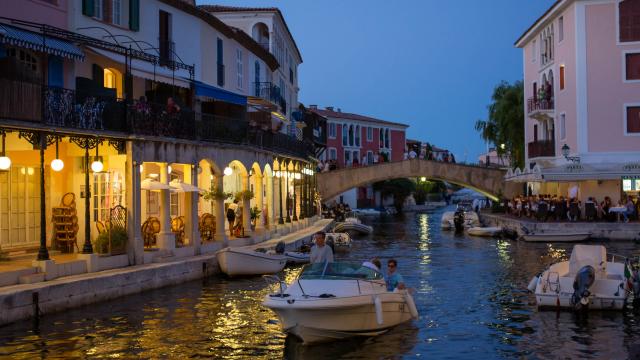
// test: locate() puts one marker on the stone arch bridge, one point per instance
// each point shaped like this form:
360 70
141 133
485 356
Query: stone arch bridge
488 181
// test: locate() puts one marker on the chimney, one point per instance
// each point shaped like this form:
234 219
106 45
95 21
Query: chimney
330 108
314 107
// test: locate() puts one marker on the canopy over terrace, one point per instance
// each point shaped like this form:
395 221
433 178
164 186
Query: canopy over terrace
575 172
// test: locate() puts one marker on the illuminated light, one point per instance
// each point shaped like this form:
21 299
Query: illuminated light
97 166
153 176
502 146
57 164
5 163
169 169
23 171
141 169
228 171
211 177
30 171
423 179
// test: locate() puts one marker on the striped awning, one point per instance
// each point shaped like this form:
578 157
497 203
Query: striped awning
30 40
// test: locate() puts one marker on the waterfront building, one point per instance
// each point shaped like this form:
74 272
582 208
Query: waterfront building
127 129
491 158
582 94
359 140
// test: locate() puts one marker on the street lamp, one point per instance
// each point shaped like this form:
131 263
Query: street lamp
502 146
566 151
228 171
57 164
5 162
97 165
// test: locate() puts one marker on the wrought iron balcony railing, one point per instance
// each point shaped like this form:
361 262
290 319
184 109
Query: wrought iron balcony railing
270 92
542 148
537 104
68 109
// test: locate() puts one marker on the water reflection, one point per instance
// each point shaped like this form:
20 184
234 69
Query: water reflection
470 292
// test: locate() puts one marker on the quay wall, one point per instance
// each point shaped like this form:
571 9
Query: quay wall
18 302
616 231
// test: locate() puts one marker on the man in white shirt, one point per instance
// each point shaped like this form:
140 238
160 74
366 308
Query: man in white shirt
412 154
320 253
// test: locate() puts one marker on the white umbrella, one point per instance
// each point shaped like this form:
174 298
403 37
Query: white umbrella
153 185
179 186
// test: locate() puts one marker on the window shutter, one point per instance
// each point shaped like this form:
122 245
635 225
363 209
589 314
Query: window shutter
98 75
55 72
88 7
134 15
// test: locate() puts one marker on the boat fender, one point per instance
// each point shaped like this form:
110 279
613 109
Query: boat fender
378 305
291 301
412 305
325 296
533 283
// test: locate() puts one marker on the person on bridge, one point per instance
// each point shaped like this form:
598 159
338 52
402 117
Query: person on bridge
320 253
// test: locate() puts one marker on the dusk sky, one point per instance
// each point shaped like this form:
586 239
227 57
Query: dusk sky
430 64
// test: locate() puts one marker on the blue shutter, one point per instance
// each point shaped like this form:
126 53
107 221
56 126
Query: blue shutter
88 7
134 15
55 71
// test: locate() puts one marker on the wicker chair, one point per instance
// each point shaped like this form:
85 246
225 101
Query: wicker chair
207 227
177 227
150 229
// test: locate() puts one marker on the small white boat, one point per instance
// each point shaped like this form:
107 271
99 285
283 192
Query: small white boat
353 225
586 281
338 300
366 212
556 236
244 261
471 219
341 241
295 257
484 231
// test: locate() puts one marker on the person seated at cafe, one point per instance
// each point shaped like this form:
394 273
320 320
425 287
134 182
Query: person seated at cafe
172 107
142 106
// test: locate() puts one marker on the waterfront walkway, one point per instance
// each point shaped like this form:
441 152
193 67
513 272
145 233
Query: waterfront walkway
27 300
599 230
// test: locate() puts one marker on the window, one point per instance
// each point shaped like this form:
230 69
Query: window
386 139
108 191
350 135
561 77
561 29
629 20
345 135
332 130
381 136
347 158
357 135
98 9
563 126
632 67
369 157
20 207
240 76
369 134
533 51
546 46
632 120
116 12
220 60
333 154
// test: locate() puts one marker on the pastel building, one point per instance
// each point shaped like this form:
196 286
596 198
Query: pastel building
582 94
359 140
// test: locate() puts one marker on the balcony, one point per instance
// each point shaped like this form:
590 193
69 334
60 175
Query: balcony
542 148
540 109
166 50
69 110
270 92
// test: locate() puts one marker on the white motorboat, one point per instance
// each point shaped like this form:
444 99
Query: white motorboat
556 236
296 257
341 241
338 300
586 281
366 212
244 261
471 219
484 231
353 225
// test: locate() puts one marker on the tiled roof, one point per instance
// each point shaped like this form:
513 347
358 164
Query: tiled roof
223 8
350 116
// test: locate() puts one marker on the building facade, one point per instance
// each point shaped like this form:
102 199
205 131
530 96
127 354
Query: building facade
582 91
130 119
358 140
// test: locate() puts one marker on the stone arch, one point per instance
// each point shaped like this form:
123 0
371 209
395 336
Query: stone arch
260 33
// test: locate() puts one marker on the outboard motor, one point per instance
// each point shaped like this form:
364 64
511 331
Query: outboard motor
581 284
280 247
458 220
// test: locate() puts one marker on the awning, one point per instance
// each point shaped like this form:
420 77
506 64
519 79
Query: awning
575 172
147 70
28 39
153 185
205 90
179 186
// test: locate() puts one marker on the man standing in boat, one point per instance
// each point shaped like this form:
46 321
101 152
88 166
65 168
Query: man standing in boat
394 280
320 253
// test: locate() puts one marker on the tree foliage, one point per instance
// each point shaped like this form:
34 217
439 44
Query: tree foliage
400 189
505 124
424 188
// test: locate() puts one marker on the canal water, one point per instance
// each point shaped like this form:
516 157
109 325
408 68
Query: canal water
470 292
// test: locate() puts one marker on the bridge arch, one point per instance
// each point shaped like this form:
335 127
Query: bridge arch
488 181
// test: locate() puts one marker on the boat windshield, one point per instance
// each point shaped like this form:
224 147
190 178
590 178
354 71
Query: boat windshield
339 271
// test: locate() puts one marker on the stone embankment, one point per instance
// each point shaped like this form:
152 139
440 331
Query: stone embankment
25 301
599 230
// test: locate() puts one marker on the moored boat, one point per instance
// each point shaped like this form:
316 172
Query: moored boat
484 231
244 262
353 225
338 241
556 236
338 300
586 281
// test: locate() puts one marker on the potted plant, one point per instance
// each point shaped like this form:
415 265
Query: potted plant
255 215
117 236
244 195
215 194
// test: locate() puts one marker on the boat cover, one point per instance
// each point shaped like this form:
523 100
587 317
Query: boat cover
594 255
